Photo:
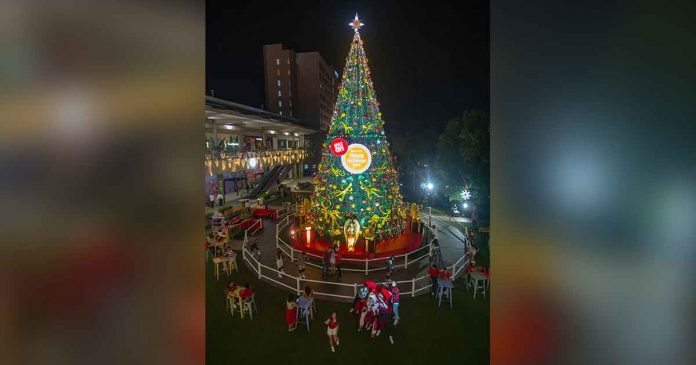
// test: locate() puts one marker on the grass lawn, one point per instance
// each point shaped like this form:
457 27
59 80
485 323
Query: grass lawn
425 334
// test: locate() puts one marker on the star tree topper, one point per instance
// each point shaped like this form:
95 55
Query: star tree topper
356 23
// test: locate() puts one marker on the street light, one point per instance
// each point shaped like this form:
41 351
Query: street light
428 188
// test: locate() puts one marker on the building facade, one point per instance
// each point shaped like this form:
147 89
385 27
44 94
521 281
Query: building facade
280 74
244 143
302 84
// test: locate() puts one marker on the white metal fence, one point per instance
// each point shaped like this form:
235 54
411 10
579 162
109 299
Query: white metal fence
252 229
286 211
416 285
358 265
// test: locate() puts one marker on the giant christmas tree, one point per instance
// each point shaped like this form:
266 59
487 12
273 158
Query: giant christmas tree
356 179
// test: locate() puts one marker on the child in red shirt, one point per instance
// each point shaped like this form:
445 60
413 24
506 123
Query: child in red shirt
433 272
332 330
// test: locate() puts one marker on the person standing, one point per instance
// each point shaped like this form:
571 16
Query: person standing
301 265
332 259
395 302
433 273
435 235
359 296
291 313
388 331
220 199
332 330
382 315
390 267
325 265
337 260
211 198
279 263
474 216
368 313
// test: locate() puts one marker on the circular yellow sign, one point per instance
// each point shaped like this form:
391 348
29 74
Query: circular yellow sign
357 158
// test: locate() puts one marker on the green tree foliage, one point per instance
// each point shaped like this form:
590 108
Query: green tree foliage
372 196
463 156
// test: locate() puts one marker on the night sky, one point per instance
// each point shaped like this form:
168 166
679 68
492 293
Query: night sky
429 63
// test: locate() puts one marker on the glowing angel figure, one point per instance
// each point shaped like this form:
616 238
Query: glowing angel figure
351 230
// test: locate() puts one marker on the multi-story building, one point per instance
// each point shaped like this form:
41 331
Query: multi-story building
301 85
281 80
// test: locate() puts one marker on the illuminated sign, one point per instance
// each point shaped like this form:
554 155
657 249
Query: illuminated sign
339 146
357 158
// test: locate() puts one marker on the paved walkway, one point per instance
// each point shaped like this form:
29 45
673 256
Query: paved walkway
452 246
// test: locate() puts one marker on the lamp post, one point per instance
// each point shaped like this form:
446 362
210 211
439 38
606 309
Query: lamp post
428 188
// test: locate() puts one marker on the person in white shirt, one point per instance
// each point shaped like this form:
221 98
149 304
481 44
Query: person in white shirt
301 266
279 264
220 199
212 200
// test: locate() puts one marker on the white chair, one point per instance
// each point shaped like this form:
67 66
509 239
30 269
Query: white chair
249 306
229 302
230 263
479 282
305 312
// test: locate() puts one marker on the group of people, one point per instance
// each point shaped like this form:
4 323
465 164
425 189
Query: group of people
292 304
301 262
375 304
245 292
436 273
212 198
332 261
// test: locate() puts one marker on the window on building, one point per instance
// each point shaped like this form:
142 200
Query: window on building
280 103
277 72
280 112
279 93
278 61
288 60
288 72
278 82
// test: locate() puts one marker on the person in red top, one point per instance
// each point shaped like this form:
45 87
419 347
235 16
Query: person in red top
246 292
444 274
371 285
332 330
291 313
433 272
